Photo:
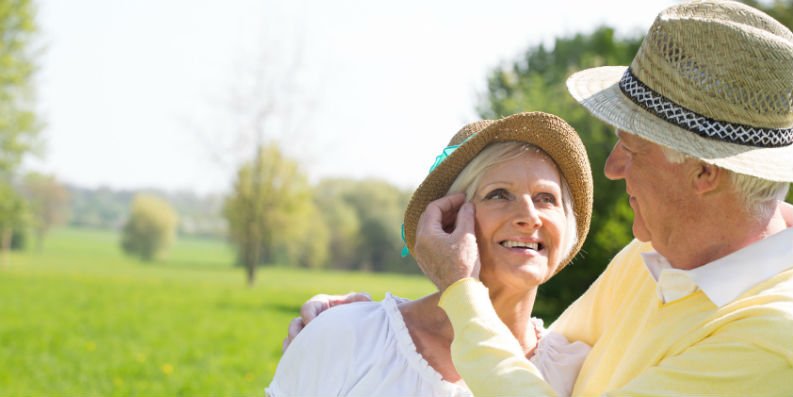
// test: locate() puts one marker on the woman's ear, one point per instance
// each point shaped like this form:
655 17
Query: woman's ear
706 177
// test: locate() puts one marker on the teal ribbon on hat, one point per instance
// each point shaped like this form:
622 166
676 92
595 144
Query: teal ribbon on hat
446 152
405 250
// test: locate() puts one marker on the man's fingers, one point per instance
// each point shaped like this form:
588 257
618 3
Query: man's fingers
440 214
465 220
349 298
295 326
321 302
316 305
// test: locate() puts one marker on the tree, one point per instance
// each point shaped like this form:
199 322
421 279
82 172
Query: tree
270 212
336 211
48 200
150 228
536 81
366 216
19 125
13 218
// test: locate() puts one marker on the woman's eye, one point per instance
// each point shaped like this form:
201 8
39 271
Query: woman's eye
498 194
546 198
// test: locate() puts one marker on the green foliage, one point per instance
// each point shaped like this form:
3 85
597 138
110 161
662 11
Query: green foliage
536 81
271 214
781 10
104 208
19 125
84 320
365 216
150 229
48 200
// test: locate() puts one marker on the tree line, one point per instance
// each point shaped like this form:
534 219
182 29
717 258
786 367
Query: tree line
276 216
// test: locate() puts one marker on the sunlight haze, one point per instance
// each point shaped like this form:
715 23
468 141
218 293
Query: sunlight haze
149 93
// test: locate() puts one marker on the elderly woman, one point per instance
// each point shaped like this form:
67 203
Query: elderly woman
530 183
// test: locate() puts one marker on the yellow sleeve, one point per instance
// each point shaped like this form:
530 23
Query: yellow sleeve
485 353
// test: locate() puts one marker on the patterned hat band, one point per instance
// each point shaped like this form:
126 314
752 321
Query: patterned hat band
703 126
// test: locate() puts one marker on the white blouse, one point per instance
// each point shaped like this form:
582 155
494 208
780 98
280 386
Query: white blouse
365 349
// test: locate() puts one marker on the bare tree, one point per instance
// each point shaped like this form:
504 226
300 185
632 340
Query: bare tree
267 104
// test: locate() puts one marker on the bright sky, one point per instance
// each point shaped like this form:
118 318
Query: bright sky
141 93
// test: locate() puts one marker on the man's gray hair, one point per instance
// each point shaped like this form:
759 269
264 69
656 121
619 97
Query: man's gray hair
756 192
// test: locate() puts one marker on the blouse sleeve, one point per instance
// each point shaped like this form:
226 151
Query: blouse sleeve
559 361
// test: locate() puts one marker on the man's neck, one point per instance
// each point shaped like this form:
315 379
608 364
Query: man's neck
722 235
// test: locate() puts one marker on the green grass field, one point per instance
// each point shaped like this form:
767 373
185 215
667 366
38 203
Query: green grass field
80 319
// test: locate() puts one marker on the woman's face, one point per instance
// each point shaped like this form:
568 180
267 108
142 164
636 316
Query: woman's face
520 221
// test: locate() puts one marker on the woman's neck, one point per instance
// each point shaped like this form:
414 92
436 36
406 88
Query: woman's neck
513 308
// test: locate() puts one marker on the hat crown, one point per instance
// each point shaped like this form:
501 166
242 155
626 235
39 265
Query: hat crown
468 130
721 59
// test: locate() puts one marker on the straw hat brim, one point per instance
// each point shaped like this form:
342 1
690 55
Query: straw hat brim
598 90
548 132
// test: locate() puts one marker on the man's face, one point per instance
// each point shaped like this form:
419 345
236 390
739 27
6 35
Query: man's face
657 189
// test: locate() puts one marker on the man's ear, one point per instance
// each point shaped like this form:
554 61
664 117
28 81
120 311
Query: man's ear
706 177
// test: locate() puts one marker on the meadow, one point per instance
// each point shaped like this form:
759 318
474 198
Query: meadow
80 318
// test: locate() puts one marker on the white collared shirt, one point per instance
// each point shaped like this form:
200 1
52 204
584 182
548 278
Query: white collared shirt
724 279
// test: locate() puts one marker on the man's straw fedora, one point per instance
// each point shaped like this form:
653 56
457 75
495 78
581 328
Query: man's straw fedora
712 79
548 132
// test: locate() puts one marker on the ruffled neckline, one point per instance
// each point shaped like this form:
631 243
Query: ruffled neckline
409 351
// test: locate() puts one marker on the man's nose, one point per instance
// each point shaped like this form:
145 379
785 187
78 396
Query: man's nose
615 163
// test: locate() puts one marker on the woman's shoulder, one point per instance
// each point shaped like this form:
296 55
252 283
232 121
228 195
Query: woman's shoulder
356 311
363 324
327 353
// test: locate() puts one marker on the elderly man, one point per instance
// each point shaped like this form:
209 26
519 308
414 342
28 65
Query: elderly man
701 303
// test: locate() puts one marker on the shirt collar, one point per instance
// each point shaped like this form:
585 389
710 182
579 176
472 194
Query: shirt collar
724 279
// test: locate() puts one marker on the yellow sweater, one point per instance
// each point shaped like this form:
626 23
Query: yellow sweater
641 346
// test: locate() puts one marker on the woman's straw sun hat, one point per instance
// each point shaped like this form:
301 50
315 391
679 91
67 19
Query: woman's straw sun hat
548 132
712 79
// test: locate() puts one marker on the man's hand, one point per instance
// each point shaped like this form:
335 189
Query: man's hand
316 305
446 249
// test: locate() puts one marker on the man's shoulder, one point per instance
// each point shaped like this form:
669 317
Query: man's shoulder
628 261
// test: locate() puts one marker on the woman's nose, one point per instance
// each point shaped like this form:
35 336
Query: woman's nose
526 214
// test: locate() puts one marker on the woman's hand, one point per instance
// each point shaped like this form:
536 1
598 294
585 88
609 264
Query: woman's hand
316 305
446 249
